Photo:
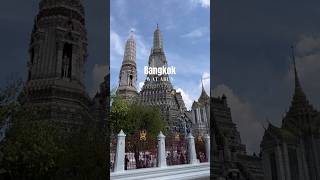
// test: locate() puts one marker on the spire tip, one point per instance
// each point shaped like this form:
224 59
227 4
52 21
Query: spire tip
131 34
202 83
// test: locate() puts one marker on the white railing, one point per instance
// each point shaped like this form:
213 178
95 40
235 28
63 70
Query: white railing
119 160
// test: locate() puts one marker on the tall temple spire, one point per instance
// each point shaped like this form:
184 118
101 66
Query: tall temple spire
204 96
297 87
296 78
76 5
58 56
157 89
157 39
128 74
202 84
300 107
130 49
157 56
299 95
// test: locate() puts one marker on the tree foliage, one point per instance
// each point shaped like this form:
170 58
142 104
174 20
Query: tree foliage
32 147
119 115
35 148
8 99
134 117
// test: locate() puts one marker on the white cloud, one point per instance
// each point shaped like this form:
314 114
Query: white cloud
196 33
140 85
98 74
194 69
142 53
308 44
116 43
243 116
308 61
188 100
203 3
308 66
142 49
170 27
206 82
119 8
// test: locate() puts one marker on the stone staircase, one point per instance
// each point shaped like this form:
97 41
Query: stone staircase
179 172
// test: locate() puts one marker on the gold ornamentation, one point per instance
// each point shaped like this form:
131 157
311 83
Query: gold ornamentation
177 137
143 135
200 138
173 92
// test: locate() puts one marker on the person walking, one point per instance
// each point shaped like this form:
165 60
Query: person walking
126 161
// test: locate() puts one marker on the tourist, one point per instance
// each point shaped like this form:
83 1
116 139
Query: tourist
126 161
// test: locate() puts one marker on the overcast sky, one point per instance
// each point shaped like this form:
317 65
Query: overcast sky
16 22
185 26
252 59
252 48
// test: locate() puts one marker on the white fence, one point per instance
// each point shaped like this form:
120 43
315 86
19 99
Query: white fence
194 165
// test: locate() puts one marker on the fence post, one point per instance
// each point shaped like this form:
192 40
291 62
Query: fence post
207 141
192 150
162 162
120 152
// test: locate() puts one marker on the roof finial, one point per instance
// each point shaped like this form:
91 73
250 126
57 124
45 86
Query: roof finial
131 34
202 83
157 26
297 83
293 58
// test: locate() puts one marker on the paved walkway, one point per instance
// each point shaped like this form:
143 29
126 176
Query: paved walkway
208 178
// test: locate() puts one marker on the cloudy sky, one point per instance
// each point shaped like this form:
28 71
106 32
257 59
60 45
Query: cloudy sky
185 26
252 63
16 22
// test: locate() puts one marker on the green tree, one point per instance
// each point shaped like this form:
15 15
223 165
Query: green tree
85 156
35 148
134 117
145 118
32 148
8 99
119 115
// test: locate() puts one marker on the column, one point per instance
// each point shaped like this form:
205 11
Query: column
303 157
286 160
73 62
162 162
120 152
204 115
300 163
315 156
194 116
59 59
207 141
191 150
266 164
280 163
199 115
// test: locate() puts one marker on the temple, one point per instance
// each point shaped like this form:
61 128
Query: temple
292 151
56 66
